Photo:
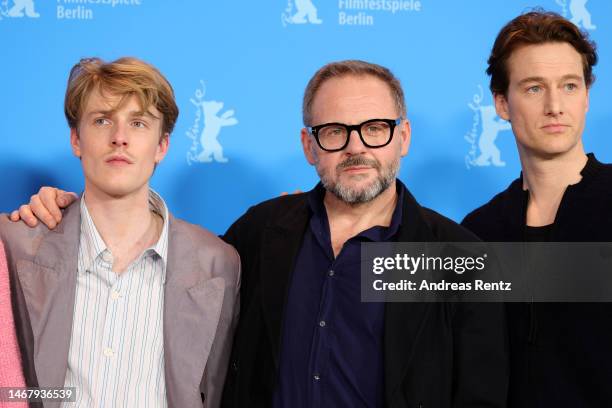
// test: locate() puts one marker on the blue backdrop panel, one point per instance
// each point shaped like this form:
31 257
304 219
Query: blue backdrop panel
239 70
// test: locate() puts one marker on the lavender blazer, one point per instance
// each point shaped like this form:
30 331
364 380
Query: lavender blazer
201 303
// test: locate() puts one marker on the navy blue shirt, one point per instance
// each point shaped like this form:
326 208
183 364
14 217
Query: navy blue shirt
332 344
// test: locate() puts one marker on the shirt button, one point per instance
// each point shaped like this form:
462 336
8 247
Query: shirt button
115 295
331 272
322 323
107 257
316 377
108 352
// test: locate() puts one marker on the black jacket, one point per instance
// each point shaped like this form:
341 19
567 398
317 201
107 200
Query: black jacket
435 354
560 353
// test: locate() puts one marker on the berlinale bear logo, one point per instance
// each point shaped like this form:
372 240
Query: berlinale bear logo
205 146
483 151
20 8
306 12
580 15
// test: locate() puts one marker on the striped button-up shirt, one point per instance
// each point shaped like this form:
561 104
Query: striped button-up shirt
116 356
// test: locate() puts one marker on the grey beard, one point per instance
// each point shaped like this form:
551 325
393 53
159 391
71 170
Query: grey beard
353 196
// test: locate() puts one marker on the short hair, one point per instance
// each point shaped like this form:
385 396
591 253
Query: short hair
537 27
347 68
124 77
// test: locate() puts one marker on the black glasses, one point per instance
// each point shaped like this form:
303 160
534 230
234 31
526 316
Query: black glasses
333 137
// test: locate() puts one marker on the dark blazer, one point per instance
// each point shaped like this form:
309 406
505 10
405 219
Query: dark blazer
560 353
435 354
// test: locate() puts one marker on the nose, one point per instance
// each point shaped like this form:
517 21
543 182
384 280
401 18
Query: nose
119 136
553 103
355 145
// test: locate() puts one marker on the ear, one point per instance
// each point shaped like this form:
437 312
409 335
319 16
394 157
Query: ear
308 145
162 147
405 136
75 142
587 100
501 106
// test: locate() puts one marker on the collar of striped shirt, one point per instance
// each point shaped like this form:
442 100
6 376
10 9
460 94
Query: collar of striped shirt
93 246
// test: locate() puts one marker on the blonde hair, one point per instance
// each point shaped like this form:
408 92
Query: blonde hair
124 77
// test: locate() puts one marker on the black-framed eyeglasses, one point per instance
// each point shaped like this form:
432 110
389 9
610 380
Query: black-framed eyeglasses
374 133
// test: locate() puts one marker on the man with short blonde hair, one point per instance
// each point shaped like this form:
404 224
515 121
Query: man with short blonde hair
124 302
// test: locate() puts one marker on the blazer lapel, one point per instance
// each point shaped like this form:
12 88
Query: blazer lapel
192 307
279 249
49 283
404 321
514 211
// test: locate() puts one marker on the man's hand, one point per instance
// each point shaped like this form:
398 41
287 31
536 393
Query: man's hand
44 206
298 191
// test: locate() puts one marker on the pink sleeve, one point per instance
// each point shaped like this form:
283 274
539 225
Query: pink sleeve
10 360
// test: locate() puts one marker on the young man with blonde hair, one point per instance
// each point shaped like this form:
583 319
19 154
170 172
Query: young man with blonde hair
128 304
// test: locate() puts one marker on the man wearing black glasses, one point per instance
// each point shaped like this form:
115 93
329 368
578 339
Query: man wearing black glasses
304 338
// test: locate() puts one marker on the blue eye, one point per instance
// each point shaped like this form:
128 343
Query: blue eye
570 87
534 89
332 131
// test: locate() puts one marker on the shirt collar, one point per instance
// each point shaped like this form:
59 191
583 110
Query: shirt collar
589 172
93 246
377 233
158 206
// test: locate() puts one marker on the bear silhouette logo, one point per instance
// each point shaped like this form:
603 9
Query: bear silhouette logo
206 147
305 12
579 13
21 8
483 151
491 125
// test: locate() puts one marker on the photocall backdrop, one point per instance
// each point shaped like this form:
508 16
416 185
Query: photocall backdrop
239 69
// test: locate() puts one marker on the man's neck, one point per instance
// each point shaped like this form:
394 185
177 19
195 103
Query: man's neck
347 220
126 224
547 179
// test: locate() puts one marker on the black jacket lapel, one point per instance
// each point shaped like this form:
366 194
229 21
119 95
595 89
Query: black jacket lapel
277 266
513 210
403 321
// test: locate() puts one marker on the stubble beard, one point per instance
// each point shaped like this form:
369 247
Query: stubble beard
355 196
